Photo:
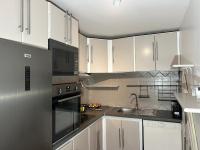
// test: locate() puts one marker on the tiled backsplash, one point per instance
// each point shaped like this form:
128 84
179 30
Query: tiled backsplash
138 83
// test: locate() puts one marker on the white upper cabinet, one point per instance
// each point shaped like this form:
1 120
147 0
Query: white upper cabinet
155 52
83 54
123 55
98 55
72 31
62 26
166 50
140 53
57 22
75 33
25 21
11 19
144 53
36 23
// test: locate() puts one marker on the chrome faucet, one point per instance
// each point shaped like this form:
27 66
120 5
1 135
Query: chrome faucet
136 98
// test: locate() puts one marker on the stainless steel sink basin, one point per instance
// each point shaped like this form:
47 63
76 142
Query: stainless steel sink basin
148 112
142 112
127 110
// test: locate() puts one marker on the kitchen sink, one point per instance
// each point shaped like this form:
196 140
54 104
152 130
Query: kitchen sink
127 110
142 112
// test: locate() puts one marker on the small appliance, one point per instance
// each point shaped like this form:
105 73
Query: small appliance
65 58
176 110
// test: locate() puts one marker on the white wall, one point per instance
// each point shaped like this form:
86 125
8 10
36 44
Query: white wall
121 96
190 45
190 35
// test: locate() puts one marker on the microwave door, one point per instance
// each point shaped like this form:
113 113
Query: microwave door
63 62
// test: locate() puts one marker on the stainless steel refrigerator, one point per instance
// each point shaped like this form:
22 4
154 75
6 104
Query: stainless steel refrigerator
25 97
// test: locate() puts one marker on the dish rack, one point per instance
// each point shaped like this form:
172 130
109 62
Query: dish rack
165 85
167 89
166 92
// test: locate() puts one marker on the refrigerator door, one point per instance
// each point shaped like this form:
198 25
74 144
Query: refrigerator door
25 97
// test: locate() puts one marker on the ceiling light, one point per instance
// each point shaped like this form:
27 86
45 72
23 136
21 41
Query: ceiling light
117 3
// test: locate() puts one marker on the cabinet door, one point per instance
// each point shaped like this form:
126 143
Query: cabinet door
68 146
144 53
123 55
98 56
11 19
81 142
74 33
36 23
113 134
83 54
57 23
132 134
162 135
166 50
96 136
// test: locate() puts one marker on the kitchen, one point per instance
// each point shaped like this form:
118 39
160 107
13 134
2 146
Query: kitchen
100 75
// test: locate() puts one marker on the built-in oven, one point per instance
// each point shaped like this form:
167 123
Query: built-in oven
65 58
66 109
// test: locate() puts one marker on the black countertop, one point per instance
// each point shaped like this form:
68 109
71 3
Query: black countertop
90 117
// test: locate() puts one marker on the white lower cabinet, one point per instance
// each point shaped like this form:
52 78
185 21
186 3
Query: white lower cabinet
162 135
96 138
119 133
67 146
123 134
81 141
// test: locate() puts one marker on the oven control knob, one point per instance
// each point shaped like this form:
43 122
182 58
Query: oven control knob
76 88
67 88
59 91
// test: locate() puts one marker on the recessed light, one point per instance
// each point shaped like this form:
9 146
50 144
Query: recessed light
117 3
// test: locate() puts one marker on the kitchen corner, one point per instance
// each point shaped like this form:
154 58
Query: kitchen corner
90 116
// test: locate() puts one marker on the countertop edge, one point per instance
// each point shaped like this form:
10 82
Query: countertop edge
187 101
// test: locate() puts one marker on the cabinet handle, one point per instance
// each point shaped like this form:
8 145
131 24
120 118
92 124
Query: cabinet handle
113 53
28 28
91 54
185 143
157 50
98 140
153 51
122 138
21 26
87 53
66 28
119 138
70 28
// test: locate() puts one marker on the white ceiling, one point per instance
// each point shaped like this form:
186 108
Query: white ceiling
101 18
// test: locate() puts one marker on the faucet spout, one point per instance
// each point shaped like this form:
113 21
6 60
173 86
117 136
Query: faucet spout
136 98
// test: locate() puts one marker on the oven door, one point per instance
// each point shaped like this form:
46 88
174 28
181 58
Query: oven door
66 116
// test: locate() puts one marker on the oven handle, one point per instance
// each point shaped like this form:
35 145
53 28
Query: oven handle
66 99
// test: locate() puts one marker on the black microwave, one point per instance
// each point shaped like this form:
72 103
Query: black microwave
64 58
